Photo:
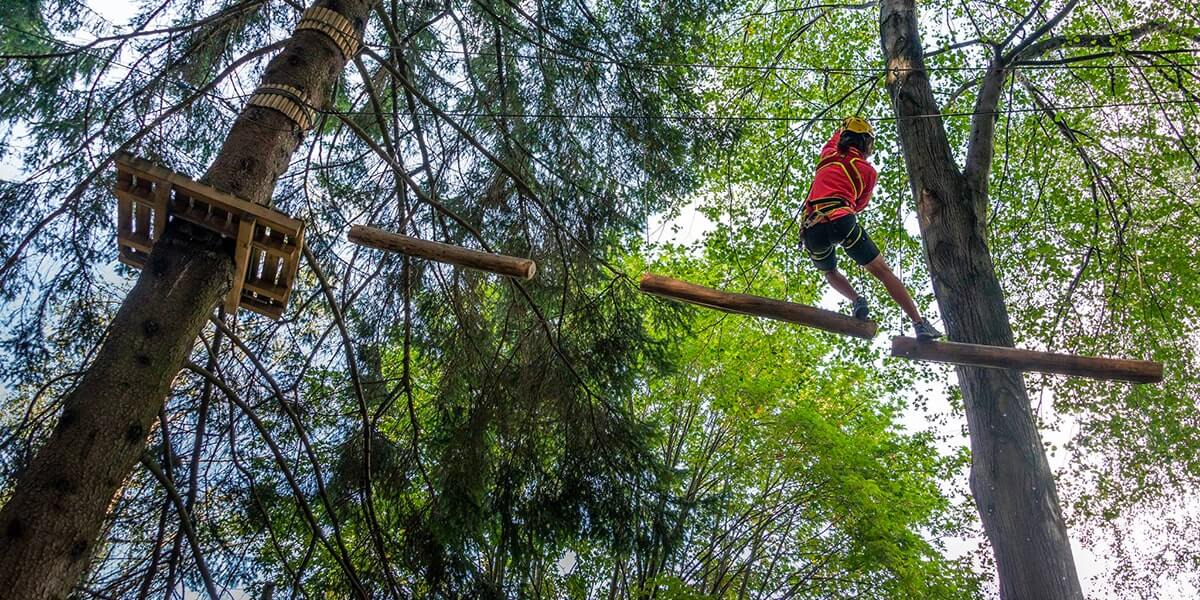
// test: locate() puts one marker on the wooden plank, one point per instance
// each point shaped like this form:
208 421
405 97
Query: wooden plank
274 250
124 213
293 264
124 179
999 357
511 266
200 215
273 244
271 263
263 306
757 306
267 290
132 256
137 241
241 256
142 217
262 214
162 193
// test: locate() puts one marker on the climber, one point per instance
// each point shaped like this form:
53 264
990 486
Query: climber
841 189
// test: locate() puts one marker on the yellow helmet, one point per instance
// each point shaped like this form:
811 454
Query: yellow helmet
858 125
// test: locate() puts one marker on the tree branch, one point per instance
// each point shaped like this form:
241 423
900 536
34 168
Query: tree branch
1106 40
185 523
980 146
1040 32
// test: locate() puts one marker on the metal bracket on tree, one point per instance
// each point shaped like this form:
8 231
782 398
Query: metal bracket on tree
267 243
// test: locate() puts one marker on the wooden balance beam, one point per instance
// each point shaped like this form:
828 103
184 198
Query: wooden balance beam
757 306
1137 371
511 266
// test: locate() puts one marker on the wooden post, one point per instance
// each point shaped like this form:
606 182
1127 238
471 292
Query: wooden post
241 258
1137 371
757 306
511 266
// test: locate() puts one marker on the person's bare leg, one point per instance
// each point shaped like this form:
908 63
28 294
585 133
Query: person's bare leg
895 287
841 284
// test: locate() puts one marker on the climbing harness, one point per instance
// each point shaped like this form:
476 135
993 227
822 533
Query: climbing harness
825 210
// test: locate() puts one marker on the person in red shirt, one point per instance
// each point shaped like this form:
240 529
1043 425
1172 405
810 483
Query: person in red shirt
841 189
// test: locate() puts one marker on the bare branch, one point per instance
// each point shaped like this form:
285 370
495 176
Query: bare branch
1107 40
185 522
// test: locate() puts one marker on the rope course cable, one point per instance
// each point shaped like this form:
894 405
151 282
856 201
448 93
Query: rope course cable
641 65
704 118
701 118
634 64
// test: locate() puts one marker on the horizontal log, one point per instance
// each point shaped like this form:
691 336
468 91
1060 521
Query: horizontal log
511 266
757 306
999 357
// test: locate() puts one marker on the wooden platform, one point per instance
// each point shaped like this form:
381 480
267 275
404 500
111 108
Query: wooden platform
757 306
999 357
267 242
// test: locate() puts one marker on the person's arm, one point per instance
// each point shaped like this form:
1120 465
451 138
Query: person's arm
869 176
833 142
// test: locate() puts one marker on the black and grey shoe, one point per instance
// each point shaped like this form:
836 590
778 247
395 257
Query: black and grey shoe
860 309
925 330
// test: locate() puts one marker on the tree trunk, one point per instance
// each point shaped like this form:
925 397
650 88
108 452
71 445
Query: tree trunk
49 526
1010 478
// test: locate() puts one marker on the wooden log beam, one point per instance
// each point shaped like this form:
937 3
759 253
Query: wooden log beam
1137 371
757 306
511 266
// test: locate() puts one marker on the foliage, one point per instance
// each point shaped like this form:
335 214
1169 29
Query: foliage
1091 222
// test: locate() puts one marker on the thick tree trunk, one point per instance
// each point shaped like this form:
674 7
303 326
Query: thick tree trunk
1010 478
48 528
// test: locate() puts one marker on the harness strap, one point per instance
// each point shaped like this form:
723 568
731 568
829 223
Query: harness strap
825 209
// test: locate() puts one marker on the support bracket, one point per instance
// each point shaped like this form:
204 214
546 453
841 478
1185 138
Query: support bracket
267 243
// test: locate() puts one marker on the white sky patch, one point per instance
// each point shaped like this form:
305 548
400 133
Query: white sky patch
118 12
687 229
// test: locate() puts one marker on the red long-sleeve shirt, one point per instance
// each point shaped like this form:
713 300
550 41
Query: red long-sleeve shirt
847 176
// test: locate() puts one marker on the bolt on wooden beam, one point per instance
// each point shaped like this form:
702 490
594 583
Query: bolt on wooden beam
999 357
510 266
757 306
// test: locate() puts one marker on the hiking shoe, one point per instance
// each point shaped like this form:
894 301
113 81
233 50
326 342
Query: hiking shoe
926 331
860 309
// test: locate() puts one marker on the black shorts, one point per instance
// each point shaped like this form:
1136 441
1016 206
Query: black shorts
821 238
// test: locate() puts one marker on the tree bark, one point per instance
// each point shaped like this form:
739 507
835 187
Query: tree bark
1011 480
48 528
